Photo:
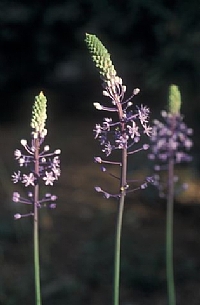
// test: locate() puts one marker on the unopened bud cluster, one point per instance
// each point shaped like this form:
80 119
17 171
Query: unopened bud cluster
39 116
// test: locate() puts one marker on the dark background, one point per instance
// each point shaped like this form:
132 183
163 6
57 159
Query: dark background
152 44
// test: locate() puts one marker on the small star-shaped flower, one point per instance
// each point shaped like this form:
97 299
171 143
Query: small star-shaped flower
17 154
56 171
143 112
97 130
28 179
16 177
147 130
133 131
49 178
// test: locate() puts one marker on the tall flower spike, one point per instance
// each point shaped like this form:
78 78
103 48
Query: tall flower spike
123 134
39 114
170 139
40 166
170 144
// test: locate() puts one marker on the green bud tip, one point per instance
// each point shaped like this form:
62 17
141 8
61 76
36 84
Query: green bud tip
39 114
100 56
174 99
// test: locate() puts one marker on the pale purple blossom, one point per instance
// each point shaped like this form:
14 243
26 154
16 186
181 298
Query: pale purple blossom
17 154
133 130
28 179
170 140
16 177
123 133
47 171
49 178
16 197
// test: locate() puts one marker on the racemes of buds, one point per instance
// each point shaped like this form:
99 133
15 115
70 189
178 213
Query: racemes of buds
170 140
122 131
37 164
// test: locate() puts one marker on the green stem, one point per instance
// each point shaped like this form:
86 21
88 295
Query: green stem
169 235
119 227
35 230
117 251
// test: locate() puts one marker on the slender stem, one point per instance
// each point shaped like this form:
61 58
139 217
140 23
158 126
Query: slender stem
169 234
118 251
35 229
123 183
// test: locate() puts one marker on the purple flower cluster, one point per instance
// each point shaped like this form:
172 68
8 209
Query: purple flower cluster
170 140
123 133
110 134
48 171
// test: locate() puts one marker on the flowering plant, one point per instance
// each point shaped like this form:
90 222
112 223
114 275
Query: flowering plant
170 145
123 134
39 166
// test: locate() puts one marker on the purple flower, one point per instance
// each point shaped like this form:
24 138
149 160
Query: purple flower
28 179
47 171
170 140
125 132
49 178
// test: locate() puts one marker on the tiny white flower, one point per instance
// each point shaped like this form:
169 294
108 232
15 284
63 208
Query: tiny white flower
98 189
46 148
17 154
105 93
136 91
16 197
57 152
147 130
16 177
23 142
49 178
124 88
28 179
97 159
56 171
133 130
56 161
21 161
43 133
17 216
53 197
98 106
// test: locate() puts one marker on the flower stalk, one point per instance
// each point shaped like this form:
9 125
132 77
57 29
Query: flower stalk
169 226
170 144
40 166
36 227
123 134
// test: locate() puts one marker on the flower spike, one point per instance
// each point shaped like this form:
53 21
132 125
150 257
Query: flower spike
122 135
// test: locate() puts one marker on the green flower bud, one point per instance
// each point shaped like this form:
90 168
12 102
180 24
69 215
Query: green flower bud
100 56
39 114
174 99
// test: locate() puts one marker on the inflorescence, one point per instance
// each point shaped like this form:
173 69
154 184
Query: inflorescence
170 140
125 132
39 164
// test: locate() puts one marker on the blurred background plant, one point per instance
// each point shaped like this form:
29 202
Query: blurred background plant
154 43
170 145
